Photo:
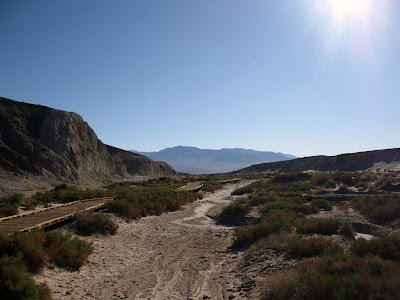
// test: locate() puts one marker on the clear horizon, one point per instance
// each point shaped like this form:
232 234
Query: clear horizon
307 77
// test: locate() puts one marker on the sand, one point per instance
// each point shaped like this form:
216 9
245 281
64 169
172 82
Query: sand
179 255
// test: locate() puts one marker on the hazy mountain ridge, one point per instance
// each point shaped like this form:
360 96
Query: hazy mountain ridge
204 161
368 160
60 146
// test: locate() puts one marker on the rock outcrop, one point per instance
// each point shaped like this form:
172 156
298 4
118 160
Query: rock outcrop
61 147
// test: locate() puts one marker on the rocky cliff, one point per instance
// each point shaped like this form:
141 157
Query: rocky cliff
369 160
60 146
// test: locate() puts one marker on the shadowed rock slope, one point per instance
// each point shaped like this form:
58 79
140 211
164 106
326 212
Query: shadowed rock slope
61 147
132 163
372 160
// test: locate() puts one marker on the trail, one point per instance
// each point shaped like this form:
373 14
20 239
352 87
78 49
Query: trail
179 255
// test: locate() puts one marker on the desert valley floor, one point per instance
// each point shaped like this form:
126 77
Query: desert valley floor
178 255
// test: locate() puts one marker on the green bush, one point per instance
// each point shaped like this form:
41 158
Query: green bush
126 209
232 211
313 246
65 251
8 209
321 226
87 223
17 284
37 248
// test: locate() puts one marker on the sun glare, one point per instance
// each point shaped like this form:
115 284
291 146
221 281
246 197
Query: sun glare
355 26
353 9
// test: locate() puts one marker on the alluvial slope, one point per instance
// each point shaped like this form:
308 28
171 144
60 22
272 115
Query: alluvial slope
57 145
383 159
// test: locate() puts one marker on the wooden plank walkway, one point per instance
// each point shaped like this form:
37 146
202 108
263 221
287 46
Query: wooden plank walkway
51 215
191 186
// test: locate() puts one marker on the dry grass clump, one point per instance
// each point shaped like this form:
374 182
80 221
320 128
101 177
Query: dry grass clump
28 184
45 185
87 223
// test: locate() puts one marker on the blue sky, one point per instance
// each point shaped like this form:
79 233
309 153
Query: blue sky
303 77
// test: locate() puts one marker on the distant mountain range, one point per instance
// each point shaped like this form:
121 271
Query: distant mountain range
193 160
388 159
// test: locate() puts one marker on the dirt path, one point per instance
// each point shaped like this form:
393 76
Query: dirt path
180 255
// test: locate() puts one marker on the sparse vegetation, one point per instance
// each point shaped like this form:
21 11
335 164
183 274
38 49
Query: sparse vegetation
342 276
386 247
378 209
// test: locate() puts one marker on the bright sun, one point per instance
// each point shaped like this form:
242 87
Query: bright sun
344 11
350 8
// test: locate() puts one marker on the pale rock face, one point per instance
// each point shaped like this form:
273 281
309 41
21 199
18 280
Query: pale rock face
60 146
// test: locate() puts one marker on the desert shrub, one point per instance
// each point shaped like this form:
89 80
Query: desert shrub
8 209
321 226
343 190
322 204
346 229
129 202
378 209
320 179
87 223
13 198
342 276
65 251
232 211
387 247
17 284
65 193
330 184
211 186
38 248
290 177
28 245
313 246
126 209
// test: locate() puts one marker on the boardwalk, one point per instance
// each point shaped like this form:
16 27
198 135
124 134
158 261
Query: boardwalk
49 216
191 186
